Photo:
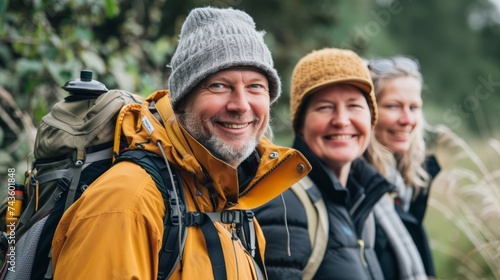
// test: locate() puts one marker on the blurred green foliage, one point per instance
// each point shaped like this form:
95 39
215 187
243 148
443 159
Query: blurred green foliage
127 44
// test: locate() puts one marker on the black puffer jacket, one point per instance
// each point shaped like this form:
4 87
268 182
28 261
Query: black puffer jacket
413 221
348 209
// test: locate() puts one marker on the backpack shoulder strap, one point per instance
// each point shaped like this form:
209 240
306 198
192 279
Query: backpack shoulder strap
177 218
317 223
170 187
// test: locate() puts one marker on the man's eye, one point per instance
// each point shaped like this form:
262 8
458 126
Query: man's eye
257 88
218 88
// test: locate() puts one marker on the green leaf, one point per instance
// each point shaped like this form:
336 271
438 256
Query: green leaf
83 34
3 7
56 41
55 71
123 79
112 8
26 66
93 61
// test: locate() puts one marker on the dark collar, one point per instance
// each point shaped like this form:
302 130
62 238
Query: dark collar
247 170
363 178
324 179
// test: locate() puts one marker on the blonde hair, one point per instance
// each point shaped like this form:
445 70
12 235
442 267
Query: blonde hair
409 164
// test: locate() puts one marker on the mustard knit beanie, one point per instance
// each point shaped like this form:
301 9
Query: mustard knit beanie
214 39
325 67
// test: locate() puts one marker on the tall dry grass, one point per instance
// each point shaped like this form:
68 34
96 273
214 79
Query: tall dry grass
463 220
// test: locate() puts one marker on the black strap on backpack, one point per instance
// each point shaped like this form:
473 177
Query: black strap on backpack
176 221
214 248
155 166
244 230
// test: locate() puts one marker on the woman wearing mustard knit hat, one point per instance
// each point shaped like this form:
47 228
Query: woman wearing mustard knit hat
323 227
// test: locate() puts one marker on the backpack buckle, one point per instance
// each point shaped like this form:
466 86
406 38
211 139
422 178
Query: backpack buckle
173 211
226 217
194 219
229 217
78 157
249 214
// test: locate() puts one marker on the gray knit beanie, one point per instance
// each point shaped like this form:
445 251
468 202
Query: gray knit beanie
212 40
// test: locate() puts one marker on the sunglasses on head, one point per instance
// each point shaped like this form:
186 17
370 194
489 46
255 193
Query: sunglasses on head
386 64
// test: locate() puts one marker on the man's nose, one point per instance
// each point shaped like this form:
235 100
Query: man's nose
238 100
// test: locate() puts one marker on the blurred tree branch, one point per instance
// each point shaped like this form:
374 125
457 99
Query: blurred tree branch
14 123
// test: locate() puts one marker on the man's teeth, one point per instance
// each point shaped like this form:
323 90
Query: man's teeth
234 126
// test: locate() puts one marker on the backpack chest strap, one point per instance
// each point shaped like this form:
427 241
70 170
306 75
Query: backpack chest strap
243 221
238 218
226 217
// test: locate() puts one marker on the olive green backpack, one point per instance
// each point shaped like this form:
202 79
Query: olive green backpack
73 147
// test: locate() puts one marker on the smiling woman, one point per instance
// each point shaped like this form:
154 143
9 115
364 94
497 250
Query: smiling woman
397 85
397 150
333 112
400 107
337 126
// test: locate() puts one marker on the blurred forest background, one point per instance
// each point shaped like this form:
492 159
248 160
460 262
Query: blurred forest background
44 43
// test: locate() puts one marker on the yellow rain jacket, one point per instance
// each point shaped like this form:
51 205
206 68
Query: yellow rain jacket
115 230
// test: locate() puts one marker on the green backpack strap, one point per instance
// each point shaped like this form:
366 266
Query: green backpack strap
317 223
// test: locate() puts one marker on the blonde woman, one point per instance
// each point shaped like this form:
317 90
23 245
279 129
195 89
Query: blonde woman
397 150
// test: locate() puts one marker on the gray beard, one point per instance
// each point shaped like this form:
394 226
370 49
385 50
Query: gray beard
227 153
217 148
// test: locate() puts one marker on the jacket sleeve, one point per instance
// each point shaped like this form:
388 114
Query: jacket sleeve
112 232
271 218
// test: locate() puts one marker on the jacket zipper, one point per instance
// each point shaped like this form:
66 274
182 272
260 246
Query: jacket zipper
236 239
361 244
